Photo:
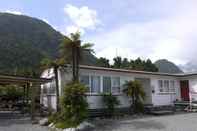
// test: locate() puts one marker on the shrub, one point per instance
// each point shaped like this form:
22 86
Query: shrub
74 106
111 102
135 90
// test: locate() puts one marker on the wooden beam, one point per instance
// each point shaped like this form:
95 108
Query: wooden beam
33 93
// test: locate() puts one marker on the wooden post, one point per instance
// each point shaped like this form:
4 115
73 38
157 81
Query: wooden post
33 93
24 97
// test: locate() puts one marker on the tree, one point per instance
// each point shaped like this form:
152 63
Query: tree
125 63
134 90
103 62
138 64
71 51
117 62
149 66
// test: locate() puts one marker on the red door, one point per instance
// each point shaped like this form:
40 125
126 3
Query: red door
184 90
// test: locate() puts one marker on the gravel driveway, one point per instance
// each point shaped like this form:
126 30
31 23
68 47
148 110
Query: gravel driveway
23 124
177 122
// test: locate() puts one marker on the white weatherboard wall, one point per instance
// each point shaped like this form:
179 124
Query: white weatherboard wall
95 100
157 98
193 87
160 99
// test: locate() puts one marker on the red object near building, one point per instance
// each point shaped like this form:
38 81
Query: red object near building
184 85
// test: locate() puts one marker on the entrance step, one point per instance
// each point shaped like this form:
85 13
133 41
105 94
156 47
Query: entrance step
159 110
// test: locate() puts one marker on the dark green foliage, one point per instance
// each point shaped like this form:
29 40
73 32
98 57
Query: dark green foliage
167 66
11 92
102 62
110 102
124 63
117 62
74 106
134 90
24 42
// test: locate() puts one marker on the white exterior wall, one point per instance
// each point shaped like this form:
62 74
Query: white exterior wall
95 100
193 88
158 98
48 99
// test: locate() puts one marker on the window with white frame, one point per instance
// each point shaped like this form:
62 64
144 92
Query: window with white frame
44 89
85 79
172 86
106 84
95 84
166 86
160 83
115 85
52 88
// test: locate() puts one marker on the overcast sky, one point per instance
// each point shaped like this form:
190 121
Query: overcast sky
155 29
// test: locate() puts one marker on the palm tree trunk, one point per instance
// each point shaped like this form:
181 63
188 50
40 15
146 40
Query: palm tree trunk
73 62
77 63
57 87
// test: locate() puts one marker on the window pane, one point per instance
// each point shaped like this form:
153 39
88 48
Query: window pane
95 84
52 88
85 80
106 84
115 84
166 85
172 86
45 89
160 82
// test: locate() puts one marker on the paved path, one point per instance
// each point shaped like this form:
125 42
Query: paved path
23 124
178 122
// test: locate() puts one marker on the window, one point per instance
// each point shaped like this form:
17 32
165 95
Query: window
106 84
160 86
84 79
52 88
95 84
166 86
115 85
172 86
44 89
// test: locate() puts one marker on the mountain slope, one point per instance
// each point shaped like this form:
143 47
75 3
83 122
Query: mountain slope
24 41
167 67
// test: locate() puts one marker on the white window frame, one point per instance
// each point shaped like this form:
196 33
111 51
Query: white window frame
166 88
101 89
103 84
89 82
115 86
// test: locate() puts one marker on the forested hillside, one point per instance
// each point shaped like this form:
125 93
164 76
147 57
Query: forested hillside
24 41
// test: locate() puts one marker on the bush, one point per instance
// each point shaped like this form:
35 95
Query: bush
110 102
135 91
74 106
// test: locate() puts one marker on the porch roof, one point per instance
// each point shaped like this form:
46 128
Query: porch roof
8 79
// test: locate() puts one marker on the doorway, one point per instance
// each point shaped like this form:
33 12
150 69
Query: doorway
184 85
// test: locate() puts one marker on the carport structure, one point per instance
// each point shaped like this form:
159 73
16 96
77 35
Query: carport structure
27 83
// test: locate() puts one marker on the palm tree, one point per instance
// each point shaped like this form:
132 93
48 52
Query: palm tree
72 51
134 90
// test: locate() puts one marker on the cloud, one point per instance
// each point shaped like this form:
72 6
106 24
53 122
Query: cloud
14 12
171 36
82 18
